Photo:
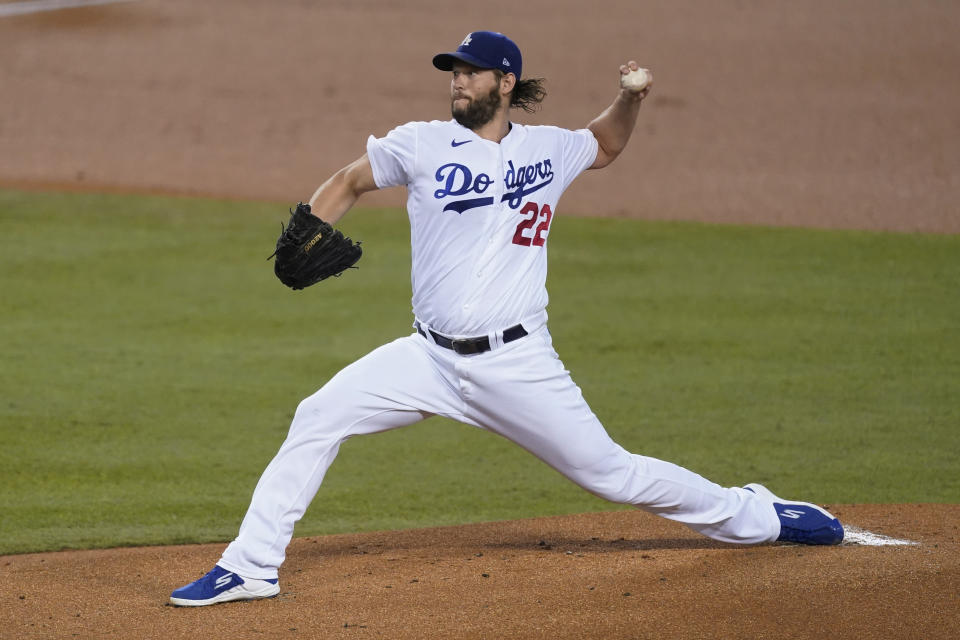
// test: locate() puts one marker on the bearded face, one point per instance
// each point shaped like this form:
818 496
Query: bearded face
477 111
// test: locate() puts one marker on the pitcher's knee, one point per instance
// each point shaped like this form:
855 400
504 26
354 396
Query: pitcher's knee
613 492
316 416
613 482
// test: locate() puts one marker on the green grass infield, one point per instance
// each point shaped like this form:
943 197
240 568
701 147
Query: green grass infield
151 363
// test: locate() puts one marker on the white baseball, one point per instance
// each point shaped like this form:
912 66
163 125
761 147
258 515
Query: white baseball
635 81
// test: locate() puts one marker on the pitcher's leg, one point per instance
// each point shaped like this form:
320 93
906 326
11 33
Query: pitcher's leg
673 492
367 397
526 395
293 477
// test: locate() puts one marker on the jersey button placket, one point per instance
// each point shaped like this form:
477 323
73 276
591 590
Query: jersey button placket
495 158
496 210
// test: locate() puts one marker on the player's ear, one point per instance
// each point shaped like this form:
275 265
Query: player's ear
507 83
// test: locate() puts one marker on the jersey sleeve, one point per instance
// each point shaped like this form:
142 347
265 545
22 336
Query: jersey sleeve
394 156
579 149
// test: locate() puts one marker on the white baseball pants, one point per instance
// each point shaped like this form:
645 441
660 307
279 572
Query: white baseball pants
520 391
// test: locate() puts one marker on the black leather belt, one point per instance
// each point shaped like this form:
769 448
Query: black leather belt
468 346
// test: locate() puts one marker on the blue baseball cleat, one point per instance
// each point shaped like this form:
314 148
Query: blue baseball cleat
221 585
801 522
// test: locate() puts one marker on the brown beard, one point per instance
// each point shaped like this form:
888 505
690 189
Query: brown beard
479 111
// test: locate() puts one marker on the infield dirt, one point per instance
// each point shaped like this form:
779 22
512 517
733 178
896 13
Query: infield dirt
611 575
810 114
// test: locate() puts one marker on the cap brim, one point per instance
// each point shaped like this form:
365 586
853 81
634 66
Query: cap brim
445 61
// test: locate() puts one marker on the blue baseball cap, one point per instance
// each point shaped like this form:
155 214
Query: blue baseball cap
484 49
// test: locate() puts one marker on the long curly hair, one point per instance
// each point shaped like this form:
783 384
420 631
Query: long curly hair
527 94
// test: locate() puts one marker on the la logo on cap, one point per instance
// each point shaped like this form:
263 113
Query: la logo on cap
466 41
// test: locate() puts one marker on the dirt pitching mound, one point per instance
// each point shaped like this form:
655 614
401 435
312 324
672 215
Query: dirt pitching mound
622 574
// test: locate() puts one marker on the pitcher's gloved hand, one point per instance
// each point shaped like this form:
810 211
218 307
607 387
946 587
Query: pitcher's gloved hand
310 250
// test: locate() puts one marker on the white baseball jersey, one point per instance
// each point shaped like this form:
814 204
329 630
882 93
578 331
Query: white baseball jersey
480 213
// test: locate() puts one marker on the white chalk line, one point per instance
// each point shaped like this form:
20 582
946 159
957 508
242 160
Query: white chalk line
36 6
864 538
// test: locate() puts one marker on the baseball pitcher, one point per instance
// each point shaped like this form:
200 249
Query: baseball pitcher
483 194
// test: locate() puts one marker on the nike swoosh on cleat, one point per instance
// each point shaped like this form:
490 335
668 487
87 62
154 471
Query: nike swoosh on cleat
454 143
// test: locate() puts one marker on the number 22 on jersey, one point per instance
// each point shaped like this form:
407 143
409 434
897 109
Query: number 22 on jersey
533 213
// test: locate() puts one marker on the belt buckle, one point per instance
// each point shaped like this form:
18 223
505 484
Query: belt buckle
463 346
466 346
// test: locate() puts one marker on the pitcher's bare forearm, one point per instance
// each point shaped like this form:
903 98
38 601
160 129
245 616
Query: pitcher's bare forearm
336 196
613 127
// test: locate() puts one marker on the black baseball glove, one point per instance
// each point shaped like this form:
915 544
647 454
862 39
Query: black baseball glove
310 250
